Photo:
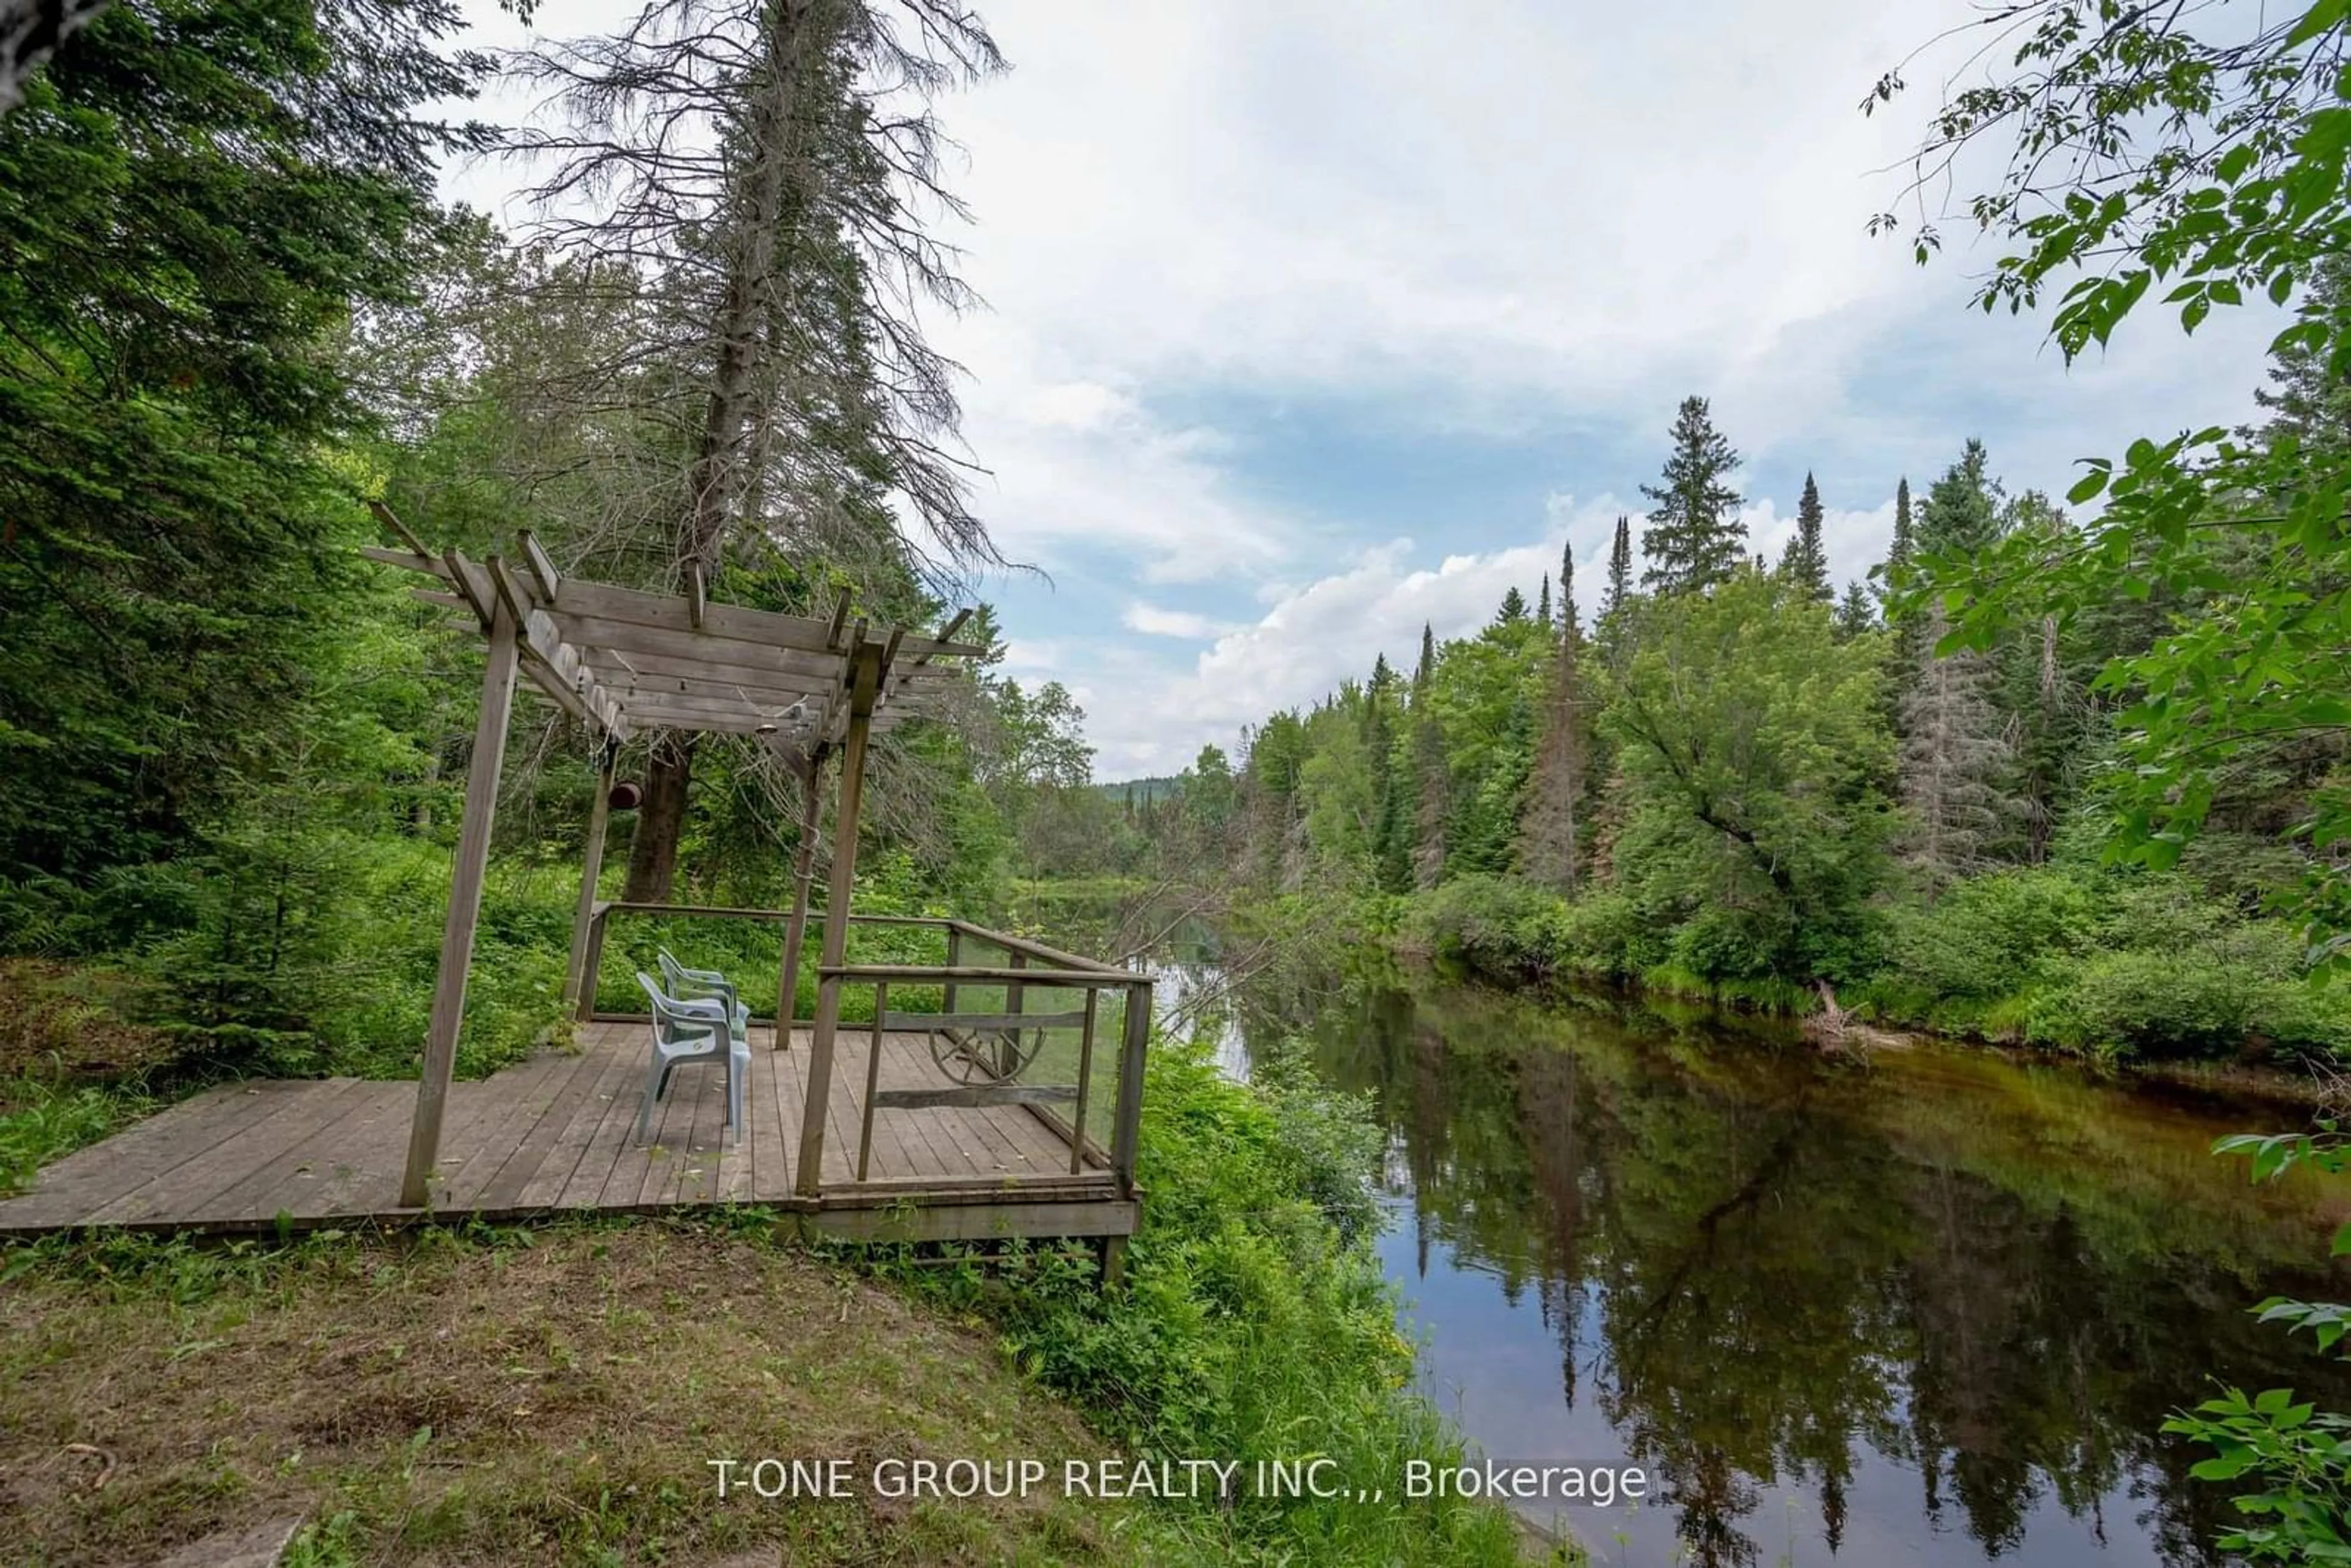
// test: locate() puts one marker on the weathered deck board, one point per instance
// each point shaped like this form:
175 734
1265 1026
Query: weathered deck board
557 1133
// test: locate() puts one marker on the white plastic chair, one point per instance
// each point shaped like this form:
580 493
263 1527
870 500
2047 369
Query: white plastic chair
693 985
693 1030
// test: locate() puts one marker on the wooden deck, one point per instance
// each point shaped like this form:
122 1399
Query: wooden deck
555 1134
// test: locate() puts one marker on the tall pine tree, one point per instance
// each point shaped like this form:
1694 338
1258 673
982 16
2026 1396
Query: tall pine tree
1962 514
2307 399
1900 553
1609 627
1548 847
1391 852
1807 561
1695 537
1620 570
1432 780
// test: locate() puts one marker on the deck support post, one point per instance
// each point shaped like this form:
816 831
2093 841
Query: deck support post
465 908
788 978
592 866
864 682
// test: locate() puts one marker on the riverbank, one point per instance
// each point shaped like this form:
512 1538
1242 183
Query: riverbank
2143 970
556 1394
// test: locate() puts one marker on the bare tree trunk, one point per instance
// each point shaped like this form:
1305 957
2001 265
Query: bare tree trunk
661 818
719 462
721 453
30 31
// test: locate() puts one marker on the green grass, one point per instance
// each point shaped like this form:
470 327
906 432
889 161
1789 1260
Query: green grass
42 1120
549 1397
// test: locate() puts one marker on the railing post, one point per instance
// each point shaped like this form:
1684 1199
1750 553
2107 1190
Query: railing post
1085 1081
872 1075
1129 1128
592 962
1015 994
788 976
955 958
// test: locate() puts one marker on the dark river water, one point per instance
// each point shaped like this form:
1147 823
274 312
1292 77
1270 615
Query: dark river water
1931 1310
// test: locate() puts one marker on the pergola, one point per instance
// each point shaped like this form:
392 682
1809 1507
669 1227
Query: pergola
624 662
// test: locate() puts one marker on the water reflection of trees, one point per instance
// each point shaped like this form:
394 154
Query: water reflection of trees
1789 1263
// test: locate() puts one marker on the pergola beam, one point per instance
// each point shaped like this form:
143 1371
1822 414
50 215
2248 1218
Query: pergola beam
620 660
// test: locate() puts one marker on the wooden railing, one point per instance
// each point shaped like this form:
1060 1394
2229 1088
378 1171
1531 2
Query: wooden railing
1007 1032
600 916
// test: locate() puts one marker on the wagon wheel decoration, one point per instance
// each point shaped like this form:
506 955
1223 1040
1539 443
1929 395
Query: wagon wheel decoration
986 1056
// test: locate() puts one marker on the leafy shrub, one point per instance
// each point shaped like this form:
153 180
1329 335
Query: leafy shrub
1723 944
2208 996
1601 934
1993 936
2294 1458
1497 926
2126 1003
1254 1323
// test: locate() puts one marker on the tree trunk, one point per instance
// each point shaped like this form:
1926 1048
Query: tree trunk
661 817
718 473
30 31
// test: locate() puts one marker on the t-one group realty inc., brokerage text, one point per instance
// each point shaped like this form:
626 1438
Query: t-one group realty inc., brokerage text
776 1479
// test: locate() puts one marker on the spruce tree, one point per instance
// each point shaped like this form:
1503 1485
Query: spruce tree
1432 780
1548 846
1899 555
1514 608
1620 570
2308 400
1901 550
1856 612
1807 561
1542 604
1694 539
1962 512
1608 628
1390 855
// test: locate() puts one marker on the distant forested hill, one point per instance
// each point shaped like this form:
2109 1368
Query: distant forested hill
1145 789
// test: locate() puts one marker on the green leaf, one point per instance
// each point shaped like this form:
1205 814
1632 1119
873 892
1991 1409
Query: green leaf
2325 14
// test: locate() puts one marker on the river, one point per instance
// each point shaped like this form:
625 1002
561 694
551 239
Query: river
1929 1308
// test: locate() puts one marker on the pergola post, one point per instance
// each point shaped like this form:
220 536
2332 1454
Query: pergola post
865 678
592 866
796 929
464 907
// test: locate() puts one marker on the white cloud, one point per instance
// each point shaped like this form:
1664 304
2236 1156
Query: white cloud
1855 541
1329 630
1077 462
1154 622
1487 198
1499 216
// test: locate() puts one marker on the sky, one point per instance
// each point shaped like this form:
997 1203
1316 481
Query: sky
1310 323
